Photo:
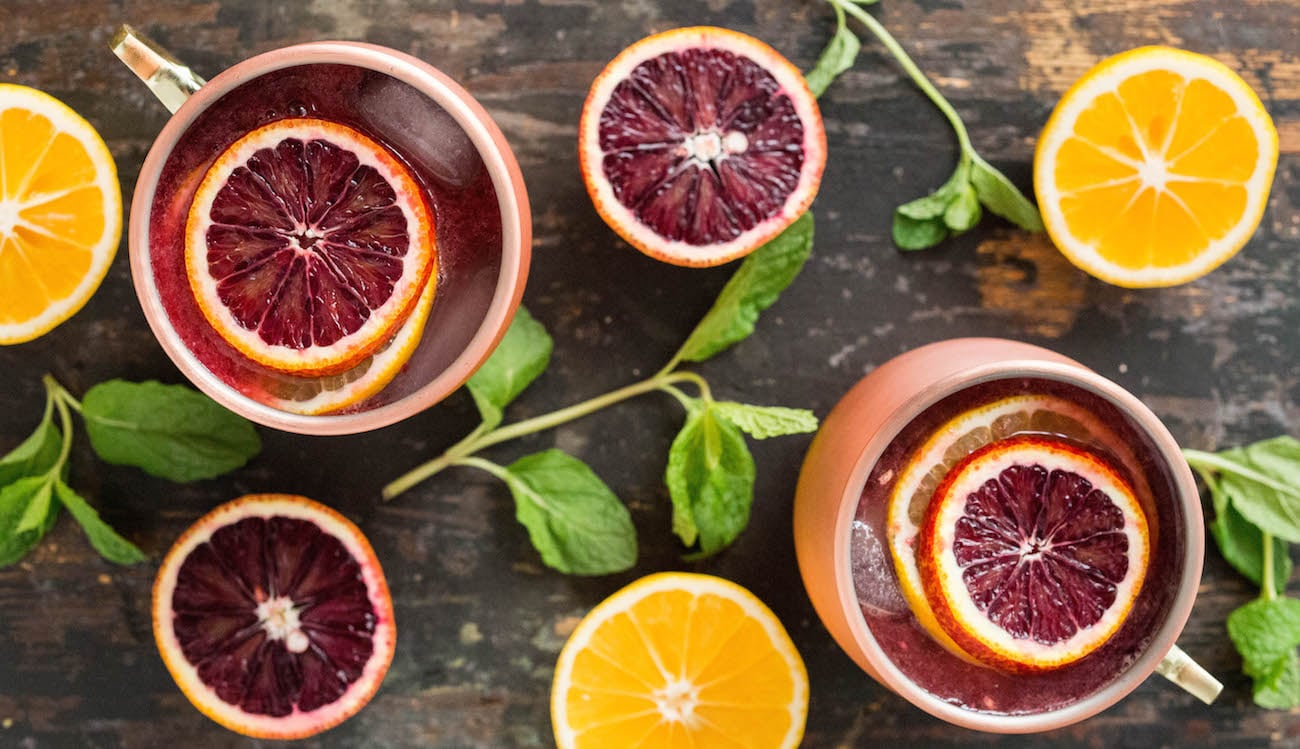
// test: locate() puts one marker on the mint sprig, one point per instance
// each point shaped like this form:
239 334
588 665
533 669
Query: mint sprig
576 523
975 185
1255 493
169 431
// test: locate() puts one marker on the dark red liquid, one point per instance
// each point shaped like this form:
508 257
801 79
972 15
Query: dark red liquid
953 680
406 122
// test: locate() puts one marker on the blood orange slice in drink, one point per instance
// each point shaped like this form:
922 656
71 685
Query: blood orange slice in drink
337 392
1032 553
697 145
307 245
952 441
273 615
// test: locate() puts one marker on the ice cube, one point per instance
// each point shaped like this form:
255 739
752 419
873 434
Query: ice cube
421 130
873 573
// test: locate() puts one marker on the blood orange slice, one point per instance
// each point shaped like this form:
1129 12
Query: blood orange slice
273 615
952 441
697 145
307 245
337 392
1032 553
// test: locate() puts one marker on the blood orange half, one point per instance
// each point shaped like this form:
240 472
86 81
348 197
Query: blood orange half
273 616
307 245
1032 553
697 145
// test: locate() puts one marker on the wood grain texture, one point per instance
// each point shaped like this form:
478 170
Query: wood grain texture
480 621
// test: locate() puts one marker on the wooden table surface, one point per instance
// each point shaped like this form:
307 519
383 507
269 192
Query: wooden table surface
480 620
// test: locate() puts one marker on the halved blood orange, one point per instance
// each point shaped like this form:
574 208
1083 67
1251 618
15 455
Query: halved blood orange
697 145
951 442
273 616
1032 553
307 245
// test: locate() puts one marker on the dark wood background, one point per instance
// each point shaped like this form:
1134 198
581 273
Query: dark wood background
480 620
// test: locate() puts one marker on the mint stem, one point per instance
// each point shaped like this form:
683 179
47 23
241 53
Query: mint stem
913 72
60 397
1268 589
480 439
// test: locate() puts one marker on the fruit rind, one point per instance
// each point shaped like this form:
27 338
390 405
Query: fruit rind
204 698
954 608
1104 77
698 585
65 119
622 220
384 321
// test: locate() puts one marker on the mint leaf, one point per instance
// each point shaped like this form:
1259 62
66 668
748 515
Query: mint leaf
110 546
38 507
710 478
837 57
1256 490
964 210
572 517
1000 196
15 499
1242 545
1266 633
930 206
754 287
918 234
35 455
169 431
762 422
522 355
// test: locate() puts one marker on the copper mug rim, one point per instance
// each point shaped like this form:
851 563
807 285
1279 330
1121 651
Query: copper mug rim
502 167
1159 642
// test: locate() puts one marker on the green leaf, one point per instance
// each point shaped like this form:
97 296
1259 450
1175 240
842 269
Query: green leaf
762 422
964 210
754 287
522 355
572 517
1271 510
1000 196
169 431
710 478
931 206
35 455
1266 633
38 507
110 546
1242 545
15 499
918 234
838 57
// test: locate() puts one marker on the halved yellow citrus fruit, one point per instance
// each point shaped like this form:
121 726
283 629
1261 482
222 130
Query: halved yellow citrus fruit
273 616
1032 553
60 212
307 245
679 660
697 145
1155 167
333 393
953 441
